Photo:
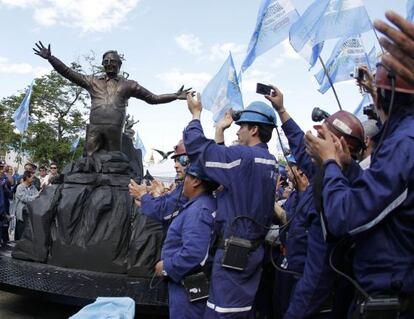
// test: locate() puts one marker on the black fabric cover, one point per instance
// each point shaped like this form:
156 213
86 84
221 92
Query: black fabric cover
88 222
144 249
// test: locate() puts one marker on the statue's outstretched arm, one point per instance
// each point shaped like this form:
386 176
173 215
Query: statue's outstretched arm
73 76
142 93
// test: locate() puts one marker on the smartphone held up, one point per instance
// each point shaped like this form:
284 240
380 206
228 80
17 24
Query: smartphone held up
263 89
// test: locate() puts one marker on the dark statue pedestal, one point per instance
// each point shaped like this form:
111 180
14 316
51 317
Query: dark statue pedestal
89 221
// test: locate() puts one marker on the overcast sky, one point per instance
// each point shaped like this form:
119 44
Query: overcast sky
167 44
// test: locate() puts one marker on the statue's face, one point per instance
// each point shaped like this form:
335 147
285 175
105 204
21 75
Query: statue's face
111 64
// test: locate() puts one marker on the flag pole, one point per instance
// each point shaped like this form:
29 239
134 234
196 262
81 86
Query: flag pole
330 82
73 155
376 35
19 153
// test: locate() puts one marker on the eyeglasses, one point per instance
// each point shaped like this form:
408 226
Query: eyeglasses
109 62
53 168
183 160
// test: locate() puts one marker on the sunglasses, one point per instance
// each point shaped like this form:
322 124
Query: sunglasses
53 168
183 160
109 62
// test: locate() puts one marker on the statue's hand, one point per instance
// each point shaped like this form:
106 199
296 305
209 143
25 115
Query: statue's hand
42 51
182 93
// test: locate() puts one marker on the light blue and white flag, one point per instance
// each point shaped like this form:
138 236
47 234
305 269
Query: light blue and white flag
328 19
139 145
410 10
223 91
21 115
74 144
274 20
359 111
345 57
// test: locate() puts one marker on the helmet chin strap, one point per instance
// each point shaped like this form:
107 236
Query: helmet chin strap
391 77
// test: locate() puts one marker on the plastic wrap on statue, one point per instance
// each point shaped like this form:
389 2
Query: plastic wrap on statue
89 221
147 235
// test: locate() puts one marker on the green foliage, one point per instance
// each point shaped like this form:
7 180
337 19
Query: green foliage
9 139
58 112
281 160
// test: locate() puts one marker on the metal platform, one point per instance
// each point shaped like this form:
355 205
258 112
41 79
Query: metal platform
78 287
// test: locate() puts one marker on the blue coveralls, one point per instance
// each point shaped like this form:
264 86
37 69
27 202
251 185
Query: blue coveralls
164 208
248 175
376 207
5 195
186 249
307 252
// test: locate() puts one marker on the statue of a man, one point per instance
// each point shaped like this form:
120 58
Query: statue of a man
109 94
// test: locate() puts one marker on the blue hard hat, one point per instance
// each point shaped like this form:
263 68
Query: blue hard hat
282 171
257 112
197 171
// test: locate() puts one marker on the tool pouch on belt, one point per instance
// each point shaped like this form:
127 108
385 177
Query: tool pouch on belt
196 286
236 252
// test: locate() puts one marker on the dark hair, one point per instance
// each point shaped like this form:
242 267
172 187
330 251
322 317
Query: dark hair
26 175
400 99
209 187
42 167
31 164
265 131
115 53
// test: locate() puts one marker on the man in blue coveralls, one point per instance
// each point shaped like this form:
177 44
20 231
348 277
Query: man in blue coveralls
186 247
247 173
307 251
312 280
375 206
164 207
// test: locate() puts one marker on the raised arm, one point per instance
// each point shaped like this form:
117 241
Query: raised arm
220 162
223 125
65 71
293 132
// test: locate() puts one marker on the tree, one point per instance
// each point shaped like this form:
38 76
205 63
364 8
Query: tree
58 112
9 139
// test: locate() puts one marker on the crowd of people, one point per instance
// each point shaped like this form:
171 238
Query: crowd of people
342 206
16 190
328 235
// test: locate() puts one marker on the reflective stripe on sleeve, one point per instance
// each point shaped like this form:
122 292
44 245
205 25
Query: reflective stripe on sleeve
228 310
167 217
223 165
397 202
264 161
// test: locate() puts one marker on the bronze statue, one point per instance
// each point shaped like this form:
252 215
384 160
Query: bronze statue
109 94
